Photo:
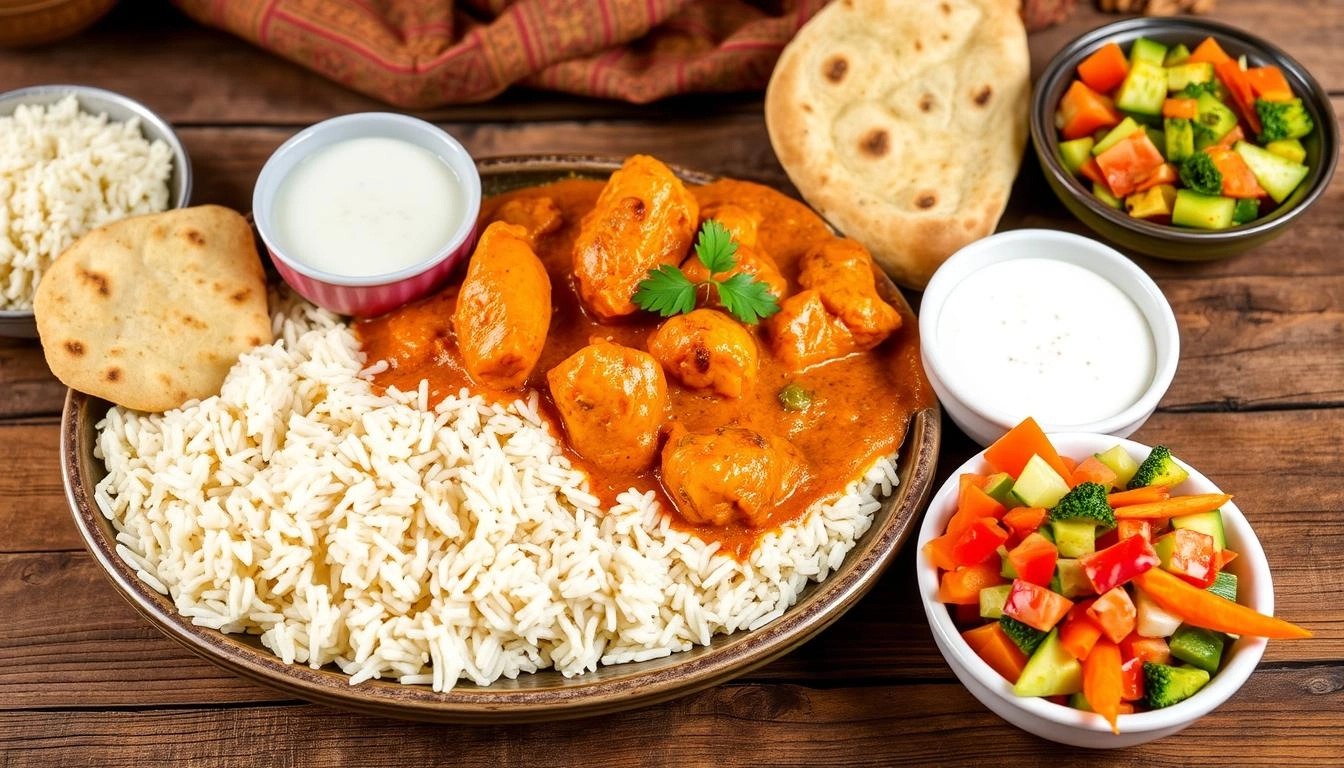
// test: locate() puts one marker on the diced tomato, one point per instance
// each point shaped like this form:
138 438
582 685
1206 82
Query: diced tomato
1134 527
1187 108
1082 111
1238 181
1108 539
1154 649
1129 162
962 586
1117 564
1268 83
1104 69
1131 680
1114 613
1091 470
979 542
1025 520
1034 559
1243 98
1192 556
1209 50
1165 173
1035 605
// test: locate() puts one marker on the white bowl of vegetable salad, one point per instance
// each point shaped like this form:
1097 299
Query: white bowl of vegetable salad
1156 650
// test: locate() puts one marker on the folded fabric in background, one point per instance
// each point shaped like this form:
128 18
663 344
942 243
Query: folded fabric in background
418 54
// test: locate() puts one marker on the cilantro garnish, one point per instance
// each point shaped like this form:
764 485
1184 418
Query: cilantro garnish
668 291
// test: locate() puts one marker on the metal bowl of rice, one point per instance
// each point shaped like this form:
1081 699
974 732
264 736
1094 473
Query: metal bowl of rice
116 159
119 468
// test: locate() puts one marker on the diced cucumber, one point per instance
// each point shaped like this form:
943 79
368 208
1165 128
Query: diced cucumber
1074 538
1165 685
1204 522
1152 203
1118 460
1176 55
1290 149
1202 211
1127 127
1147 50
1224 585
992 600
1152 620
1070 580
1038 485
1181 75
1006 568
1200 647
1178 136
1102 193
1075 152
1247 210
1278 175
1213 120
998 487
1079 702
1143 89
1051 671
1159 140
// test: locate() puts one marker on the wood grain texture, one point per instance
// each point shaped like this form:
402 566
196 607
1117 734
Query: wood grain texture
1297 713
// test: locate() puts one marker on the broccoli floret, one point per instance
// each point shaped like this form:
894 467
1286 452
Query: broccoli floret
1158 469
1211 87
1027 638
1282 120
1086 501
1200 174
1165 685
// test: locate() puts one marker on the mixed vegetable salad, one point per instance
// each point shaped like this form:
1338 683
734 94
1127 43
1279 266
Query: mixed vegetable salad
1088 582
1191 138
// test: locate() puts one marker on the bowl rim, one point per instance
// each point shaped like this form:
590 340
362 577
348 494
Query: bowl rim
1241 661
147 116
1075 249
1045 138
317 137
622 687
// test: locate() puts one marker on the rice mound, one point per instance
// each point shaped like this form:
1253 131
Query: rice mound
64 173
423 544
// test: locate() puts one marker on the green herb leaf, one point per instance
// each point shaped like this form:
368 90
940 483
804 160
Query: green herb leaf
666 291
716 247
747 298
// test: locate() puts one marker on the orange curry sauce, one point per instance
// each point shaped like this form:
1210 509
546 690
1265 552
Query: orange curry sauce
861 404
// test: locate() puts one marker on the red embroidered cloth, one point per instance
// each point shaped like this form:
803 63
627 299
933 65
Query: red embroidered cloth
418 54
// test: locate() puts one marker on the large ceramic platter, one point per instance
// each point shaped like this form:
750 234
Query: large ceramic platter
545 695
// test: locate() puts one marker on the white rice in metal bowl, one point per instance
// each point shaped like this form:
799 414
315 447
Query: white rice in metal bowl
422 544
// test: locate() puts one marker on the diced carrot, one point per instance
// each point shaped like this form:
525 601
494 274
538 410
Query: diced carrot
1091 470
1129 162
973 505
1173 507
1238 181
939 551
1205 609
1104 69
1186 108
1011 452
1165 173
1091 171
998 650
1078 633
1083 110
1231 138
963 585
1145 495
1103 683
1114 612
1126 528
1268 83
1024 520
1224 557
1209 51
1069 464
1243 98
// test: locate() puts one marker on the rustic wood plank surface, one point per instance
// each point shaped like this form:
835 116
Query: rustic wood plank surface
1258 404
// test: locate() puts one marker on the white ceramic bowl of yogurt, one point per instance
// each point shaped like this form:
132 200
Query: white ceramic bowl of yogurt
1046 324
366 212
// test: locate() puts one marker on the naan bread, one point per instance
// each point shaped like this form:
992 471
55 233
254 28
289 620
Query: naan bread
152 311
903 122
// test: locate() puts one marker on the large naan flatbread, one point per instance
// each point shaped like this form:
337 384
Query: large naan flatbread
903 122
152 311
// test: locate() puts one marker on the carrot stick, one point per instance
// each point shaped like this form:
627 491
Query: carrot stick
1205 609
1102 682
1180 505
1145 495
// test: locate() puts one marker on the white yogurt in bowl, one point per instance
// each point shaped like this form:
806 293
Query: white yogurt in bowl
1050 325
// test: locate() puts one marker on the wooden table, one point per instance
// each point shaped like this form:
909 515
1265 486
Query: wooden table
1258 405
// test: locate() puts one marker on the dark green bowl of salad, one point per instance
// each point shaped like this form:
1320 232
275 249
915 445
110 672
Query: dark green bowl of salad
1263 165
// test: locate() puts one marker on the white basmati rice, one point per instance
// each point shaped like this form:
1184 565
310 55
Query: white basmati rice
63 173
423 545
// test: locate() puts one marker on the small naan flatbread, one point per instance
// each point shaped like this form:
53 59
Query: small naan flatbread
152 311
903 122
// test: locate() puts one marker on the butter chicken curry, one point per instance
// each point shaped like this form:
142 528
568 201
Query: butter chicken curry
739 428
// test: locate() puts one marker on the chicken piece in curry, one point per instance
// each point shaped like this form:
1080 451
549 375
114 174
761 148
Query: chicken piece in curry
698 418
